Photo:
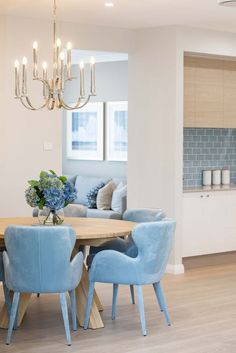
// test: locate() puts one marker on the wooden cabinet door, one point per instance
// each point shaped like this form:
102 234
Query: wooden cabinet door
229 94
209 93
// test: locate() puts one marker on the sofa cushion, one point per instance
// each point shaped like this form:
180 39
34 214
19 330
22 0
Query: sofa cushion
92 195
95 213
75 210
105 195
71 178
117 198
84 184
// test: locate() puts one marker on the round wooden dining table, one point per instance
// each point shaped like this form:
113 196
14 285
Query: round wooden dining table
89 231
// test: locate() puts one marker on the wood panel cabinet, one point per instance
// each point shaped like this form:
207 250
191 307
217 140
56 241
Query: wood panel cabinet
209 223
209 93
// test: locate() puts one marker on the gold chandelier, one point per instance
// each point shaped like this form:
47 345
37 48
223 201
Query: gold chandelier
53 89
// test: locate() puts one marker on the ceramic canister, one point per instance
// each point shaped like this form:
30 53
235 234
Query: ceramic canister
207 177
216 177
225 176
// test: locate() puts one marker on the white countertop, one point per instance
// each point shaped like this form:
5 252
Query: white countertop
209 188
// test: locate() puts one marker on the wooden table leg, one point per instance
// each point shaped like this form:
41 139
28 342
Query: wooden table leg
81 299
24 302
97 301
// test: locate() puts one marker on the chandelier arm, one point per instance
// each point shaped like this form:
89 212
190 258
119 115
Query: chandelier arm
25 105
84 103
76 106
51 104
30 105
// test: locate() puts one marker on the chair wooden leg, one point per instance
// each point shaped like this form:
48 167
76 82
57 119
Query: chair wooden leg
64 310
141 310
161 300
88 304
114 299
132 293
73 309
14 309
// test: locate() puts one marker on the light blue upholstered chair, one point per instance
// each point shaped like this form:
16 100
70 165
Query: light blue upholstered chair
127 246
154 242
38 261
71 210
5 290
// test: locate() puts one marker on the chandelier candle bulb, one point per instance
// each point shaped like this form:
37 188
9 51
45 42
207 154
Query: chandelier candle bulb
24 76
45 77
81 67
58 48
69 48
17 79
62 58
92 70
35 59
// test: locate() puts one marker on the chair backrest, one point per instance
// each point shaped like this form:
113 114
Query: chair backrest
154 241
144 215
1 268
39 258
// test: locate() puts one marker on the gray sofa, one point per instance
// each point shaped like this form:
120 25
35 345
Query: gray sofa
84 184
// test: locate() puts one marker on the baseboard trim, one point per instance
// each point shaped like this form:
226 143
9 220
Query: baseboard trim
175 269
217 259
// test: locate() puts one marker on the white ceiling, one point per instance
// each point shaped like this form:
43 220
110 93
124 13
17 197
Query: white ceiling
130 13
100 56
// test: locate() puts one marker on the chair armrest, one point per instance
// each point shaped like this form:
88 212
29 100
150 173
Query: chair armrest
110 266
6 269
6 260
77 266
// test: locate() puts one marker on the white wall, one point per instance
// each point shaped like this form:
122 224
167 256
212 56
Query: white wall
23 132
155 160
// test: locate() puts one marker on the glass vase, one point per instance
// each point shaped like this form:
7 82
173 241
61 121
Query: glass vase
46 216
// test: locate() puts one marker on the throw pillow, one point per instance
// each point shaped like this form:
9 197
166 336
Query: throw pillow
92 196
84 184
105 195
119 193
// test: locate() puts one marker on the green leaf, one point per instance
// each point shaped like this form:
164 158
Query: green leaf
41 204
43 174
63 178
33 183
52 172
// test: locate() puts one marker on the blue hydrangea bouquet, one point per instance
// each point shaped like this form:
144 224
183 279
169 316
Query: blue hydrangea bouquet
51 193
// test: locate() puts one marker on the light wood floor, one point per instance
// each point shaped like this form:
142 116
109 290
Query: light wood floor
202 304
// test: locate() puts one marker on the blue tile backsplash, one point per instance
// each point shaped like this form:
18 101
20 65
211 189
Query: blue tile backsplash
208 148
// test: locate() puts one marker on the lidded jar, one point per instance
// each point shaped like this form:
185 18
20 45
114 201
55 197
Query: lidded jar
207 177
